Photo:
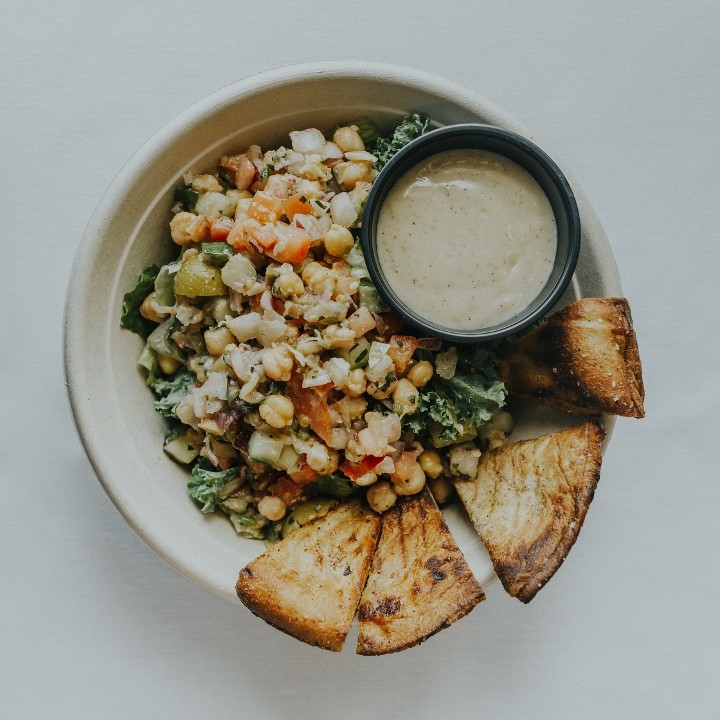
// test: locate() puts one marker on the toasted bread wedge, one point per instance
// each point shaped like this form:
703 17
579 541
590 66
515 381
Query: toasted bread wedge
419 582
309 584
584 358
528 502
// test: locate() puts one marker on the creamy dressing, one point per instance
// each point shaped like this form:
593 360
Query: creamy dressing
466 239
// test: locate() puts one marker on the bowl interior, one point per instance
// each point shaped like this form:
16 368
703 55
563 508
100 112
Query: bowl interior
521 151
113 410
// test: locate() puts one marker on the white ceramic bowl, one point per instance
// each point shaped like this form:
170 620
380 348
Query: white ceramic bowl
113 410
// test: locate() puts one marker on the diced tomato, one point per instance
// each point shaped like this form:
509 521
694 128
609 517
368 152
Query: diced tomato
220 228
296 205
305 475
287 490
356 470
263 237
292 245
237 237
265 208
401 350
310 403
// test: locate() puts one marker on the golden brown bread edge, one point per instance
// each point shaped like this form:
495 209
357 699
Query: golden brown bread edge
309 584
419 581
528 502
582 359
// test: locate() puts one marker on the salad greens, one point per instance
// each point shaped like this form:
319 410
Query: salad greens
171 391
412 126
205 484
466 400
131 319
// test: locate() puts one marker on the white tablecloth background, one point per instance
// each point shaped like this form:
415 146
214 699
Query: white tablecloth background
94 625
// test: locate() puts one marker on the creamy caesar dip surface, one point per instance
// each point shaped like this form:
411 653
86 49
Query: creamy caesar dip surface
467 239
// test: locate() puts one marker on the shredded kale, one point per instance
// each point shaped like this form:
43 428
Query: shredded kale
434 408
473 398
205 484
171 391
467 400
131 319
474 390
412 126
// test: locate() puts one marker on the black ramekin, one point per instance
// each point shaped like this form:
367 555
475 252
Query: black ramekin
526 154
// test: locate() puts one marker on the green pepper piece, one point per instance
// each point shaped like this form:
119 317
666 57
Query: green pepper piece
217 253
187 196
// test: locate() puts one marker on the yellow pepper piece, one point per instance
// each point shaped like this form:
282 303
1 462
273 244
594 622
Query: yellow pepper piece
196 278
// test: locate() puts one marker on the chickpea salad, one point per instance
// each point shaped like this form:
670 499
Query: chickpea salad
287 384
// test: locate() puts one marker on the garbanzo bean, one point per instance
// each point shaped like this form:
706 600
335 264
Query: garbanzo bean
441 489
271 507
430 463
278 363
406 396
338 240
413 485
381 496
348 139
420 373
322 459
277 411
217 339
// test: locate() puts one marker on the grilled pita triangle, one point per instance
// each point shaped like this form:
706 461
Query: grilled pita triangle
419 582
309 584
584 358
528 502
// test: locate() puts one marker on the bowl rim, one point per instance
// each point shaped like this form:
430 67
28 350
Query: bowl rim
455 137
81 285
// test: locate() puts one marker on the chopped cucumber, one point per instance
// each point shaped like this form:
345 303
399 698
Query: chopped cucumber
468 433
182 445
264 449
369 297
358 354
289 460
306 512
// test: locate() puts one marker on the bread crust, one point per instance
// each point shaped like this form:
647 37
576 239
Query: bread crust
582 359
528 502
419 582
309 584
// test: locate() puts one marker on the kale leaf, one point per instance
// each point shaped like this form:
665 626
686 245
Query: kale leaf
473 398
468 399
171 391
434 408
205 484
411 126
131 319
